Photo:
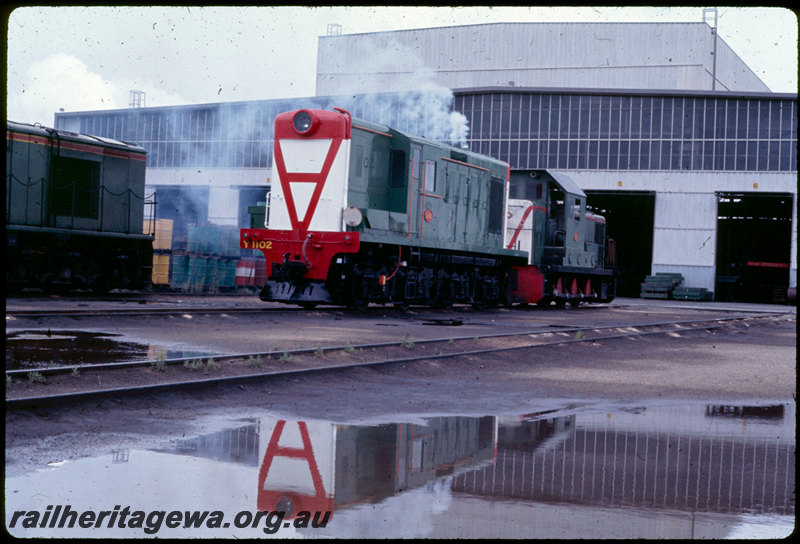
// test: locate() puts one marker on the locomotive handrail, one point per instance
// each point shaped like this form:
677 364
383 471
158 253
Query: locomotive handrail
48 185
465 164
373 131
12 177
349 121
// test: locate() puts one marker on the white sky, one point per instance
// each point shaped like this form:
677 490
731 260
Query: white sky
89 58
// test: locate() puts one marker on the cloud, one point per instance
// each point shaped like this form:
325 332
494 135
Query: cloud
65 81
59 81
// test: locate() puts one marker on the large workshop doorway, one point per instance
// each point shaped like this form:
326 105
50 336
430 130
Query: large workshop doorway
754 233
629 219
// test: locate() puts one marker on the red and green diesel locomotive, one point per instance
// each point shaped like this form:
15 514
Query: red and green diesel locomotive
361 213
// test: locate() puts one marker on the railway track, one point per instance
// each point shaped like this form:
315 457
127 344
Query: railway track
143 311
35 386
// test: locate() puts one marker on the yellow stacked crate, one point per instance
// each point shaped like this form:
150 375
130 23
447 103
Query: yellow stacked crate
162 249
163 239
160 269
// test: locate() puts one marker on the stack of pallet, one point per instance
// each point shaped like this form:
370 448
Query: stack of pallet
692 293
661 285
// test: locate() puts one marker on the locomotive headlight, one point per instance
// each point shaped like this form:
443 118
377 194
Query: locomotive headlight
352 216
303 122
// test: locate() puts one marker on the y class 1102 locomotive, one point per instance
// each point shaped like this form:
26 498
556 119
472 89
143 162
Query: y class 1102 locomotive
360 213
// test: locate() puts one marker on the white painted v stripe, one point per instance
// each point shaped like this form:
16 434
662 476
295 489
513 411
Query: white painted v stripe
301 193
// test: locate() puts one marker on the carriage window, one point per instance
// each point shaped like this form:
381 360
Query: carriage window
416 158
76 188
577 209
430 176
496 197
398 174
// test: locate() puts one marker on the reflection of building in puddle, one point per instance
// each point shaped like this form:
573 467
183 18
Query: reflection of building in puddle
237 445
120 456
729 460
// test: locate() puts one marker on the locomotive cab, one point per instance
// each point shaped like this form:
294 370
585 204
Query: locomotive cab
558 207
566 243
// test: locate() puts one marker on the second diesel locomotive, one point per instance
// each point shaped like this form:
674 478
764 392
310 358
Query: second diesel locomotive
75 208
361 213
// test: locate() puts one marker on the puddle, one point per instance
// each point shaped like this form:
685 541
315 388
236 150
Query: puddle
444 322
37 348
687 471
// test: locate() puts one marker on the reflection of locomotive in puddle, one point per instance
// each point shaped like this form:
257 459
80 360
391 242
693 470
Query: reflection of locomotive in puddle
318 466
698 469
308 469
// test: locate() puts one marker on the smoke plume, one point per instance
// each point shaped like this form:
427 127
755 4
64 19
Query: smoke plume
388 83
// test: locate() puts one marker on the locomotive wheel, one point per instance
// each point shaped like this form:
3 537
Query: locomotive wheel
53 287
358 291
357 302
444 304
483 292
478 296
101 285
444 291
506 293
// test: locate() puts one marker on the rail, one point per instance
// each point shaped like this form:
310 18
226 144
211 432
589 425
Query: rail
86 381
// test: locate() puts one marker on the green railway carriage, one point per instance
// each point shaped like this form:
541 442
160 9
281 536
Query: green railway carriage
360 213
74 211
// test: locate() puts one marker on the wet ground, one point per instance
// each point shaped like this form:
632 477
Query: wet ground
633 471
660 437
52 348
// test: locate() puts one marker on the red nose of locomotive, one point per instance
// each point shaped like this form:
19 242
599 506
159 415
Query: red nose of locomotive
317 124
309 187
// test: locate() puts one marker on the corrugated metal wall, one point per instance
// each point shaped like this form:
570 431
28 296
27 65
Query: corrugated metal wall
596 55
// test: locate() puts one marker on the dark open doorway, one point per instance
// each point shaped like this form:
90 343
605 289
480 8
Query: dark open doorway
753 246
629 216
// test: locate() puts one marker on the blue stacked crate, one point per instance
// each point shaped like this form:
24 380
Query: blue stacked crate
208 263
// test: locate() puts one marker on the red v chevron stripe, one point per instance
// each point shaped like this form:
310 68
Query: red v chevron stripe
308 185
